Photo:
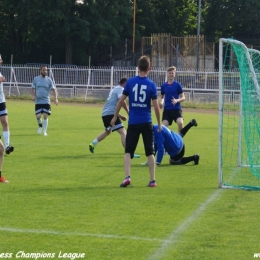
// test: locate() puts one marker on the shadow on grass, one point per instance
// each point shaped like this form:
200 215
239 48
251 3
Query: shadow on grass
71 189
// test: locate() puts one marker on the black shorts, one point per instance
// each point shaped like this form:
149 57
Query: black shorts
132 138
176 158
107 120
42 108
3 110
171 115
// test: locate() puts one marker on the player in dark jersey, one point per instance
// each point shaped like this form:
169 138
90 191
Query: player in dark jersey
171 97
172 143
140 91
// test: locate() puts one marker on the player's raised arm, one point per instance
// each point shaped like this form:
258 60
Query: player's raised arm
179 100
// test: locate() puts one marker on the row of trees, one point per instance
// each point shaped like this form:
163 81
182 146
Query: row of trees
73 30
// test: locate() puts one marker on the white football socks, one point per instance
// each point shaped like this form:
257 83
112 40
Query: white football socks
6 135
45 125
39 121
95 141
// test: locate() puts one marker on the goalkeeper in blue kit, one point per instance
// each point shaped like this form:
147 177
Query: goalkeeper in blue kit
172 143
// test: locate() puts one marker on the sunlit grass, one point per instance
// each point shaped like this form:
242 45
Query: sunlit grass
63 198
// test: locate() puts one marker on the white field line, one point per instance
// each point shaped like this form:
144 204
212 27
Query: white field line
165 243
53 232
173 237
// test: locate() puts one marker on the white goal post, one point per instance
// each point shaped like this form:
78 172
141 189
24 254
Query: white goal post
239 133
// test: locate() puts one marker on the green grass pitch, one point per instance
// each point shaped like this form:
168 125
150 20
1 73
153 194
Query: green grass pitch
62 198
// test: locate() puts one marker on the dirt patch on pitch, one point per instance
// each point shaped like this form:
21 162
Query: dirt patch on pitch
191 110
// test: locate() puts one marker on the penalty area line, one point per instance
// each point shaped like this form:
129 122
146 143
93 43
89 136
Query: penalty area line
173 237
53 232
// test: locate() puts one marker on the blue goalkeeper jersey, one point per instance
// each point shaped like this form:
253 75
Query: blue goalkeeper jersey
169 91
140 92
166 140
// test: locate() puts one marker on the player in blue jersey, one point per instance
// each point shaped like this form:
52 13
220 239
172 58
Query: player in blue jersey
140 91
173 144
108 113
40 90
171 97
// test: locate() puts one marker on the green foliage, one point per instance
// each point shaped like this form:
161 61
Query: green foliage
175 17
72 31
33 30
233 18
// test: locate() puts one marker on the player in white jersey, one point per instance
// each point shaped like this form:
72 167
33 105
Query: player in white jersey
41 87
108 113
4 121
